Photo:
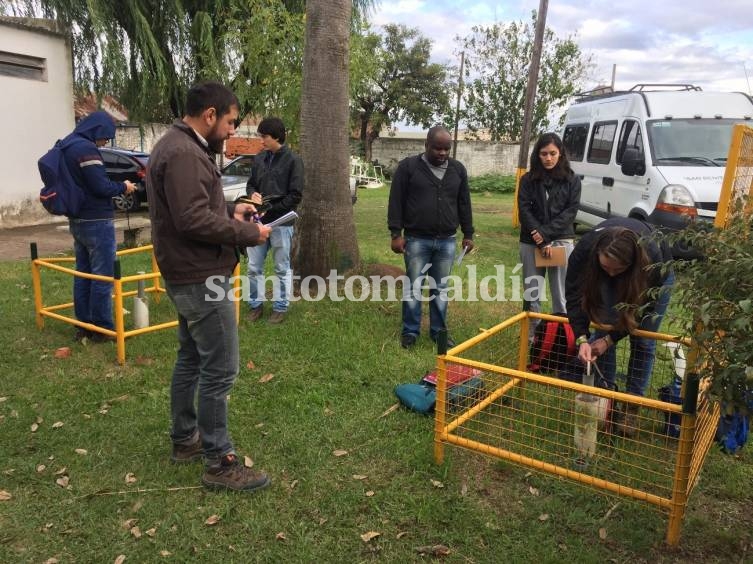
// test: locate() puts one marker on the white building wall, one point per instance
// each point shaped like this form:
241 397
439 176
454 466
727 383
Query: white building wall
35 114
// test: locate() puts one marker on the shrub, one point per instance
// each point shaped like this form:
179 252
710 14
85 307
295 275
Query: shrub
716 294
501 184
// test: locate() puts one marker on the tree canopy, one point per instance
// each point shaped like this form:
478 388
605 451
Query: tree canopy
393 80
497 59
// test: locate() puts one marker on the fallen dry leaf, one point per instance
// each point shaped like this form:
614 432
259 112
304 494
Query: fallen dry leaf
359 477
247 462
135 532
543 516
401 534
130 478
390 410
4 398
86 416
144 361
41 468
120 559
464 490
322 520
293 484
434 550
5 495
602 533
340 452
57 424
266 378
280 536
328 411
102 411
129 523
34 427
62 471
81 451
151 532
63 352
437 484
250 365
212 520
63 481
366 537
370 493
259 425
165 553
51 561
533 491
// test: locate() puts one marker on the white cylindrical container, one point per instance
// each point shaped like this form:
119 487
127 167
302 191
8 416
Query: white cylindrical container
140 307
586 422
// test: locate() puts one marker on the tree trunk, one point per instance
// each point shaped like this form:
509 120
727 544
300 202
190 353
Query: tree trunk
326 234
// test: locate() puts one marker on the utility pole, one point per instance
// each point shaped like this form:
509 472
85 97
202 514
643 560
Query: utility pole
457 107
533 77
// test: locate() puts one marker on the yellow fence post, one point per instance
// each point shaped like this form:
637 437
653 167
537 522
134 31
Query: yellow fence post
440 407
36 283
728 184
156 285
686 444
119 322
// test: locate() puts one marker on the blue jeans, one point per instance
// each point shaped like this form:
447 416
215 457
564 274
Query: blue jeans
432 257
279 241
94 247
207 362
641 361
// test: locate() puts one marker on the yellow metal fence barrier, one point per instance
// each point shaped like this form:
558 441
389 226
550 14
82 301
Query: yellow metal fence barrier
531 420
737 185
120 334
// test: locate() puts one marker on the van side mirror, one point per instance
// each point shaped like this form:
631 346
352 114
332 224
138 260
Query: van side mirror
633 162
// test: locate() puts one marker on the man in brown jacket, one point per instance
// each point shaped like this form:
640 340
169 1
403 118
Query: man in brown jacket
195 235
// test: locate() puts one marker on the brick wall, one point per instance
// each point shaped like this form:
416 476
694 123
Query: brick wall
479 157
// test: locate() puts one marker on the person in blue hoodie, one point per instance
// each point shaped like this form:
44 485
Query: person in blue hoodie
92 228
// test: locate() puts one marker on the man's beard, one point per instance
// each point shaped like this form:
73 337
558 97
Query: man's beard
215 143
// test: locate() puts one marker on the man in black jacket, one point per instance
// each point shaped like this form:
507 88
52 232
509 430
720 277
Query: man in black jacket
429 198
277 175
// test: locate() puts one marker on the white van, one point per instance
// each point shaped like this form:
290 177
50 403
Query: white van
655 152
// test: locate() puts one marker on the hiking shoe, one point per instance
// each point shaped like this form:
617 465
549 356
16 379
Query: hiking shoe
277 317
185 454
407 340
255 314
231 474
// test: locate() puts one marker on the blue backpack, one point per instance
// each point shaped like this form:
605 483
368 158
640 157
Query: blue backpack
60 194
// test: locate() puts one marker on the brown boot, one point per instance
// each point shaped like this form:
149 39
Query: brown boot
185 454
627 421
231 474
255 314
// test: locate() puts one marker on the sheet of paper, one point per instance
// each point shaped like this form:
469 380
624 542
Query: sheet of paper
289 217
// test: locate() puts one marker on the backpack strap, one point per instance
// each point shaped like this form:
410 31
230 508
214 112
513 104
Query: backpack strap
570 336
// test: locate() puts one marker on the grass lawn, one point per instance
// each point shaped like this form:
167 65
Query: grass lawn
102 431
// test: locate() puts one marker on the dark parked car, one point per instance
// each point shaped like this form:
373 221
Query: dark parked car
122 164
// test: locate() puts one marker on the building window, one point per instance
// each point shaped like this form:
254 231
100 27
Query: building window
23 66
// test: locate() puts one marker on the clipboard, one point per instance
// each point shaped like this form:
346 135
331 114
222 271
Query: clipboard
557 257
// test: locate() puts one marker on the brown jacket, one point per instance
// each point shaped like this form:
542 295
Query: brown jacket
194 233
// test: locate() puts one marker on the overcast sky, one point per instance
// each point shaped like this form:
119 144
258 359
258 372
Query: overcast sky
707 43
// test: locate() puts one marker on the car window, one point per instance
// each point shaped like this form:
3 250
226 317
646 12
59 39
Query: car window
240 167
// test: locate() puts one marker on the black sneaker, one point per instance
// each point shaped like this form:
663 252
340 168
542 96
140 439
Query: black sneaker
450 341
185 454
81 334
407 340
231 474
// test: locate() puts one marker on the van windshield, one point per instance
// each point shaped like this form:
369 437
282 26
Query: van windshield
690 142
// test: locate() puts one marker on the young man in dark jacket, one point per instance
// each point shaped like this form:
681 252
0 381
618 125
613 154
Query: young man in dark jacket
276 177
195 236
92 228
429 198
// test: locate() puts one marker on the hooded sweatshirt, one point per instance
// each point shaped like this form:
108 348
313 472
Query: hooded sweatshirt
87 168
